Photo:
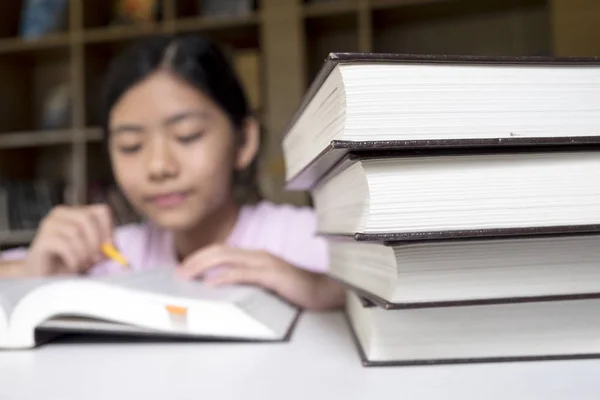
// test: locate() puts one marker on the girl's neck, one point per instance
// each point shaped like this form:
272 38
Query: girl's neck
215 229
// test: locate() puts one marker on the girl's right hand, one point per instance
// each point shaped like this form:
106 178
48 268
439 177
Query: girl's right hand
69 240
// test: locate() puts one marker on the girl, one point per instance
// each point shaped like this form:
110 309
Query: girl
183 145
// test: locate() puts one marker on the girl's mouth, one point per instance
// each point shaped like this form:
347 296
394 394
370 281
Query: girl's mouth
169 200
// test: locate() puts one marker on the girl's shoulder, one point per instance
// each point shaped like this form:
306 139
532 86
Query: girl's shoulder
287 231
269 220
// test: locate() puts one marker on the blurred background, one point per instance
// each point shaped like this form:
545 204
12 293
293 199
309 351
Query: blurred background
53 54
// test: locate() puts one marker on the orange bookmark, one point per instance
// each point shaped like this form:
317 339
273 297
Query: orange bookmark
177 310
177 315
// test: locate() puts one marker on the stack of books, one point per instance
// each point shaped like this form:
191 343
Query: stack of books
460 198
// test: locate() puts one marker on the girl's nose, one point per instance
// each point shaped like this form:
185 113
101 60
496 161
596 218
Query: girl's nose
162 163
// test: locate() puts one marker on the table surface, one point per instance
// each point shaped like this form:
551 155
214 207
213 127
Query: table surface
319 362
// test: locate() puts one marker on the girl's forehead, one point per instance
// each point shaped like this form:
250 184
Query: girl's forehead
183 117
160 99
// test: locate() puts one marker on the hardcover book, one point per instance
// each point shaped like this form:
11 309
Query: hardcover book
363 101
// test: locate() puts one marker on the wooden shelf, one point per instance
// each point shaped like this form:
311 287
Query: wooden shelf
23 139
316 10
214 23
117 33
93 134
35 139
13 45
338 7
385 4
16 238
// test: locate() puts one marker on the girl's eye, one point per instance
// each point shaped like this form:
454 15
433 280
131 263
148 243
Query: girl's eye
190 138
130 149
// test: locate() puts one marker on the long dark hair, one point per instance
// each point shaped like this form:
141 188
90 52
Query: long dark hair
199 62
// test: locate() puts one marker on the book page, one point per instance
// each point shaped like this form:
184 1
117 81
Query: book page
156 281
271 311
165 282
277 314
13 290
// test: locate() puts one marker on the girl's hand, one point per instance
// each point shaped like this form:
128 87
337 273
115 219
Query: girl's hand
220 265
69 240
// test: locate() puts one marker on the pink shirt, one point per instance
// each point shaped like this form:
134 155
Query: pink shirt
283 230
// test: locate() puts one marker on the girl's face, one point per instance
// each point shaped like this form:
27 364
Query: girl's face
173 151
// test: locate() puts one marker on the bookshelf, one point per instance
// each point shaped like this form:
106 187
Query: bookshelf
278 48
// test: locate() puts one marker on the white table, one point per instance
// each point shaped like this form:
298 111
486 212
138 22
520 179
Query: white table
320 362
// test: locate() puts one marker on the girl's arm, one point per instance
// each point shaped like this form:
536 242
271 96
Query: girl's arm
223 265
12 269
68 240
330 294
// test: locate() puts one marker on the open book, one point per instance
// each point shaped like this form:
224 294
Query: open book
363 101
151 302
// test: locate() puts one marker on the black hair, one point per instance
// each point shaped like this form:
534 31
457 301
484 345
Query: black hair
201 63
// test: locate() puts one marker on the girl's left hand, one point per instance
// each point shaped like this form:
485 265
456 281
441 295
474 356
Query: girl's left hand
239 266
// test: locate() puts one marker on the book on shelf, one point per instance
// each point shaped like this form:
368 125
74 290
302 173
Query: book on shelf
23 204
546 330
362 102
440 273
152 303
462 193
136 12
42 17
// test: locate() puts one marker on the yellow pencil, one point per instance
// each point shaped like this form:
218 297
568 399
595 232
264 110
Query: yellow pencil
111 252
